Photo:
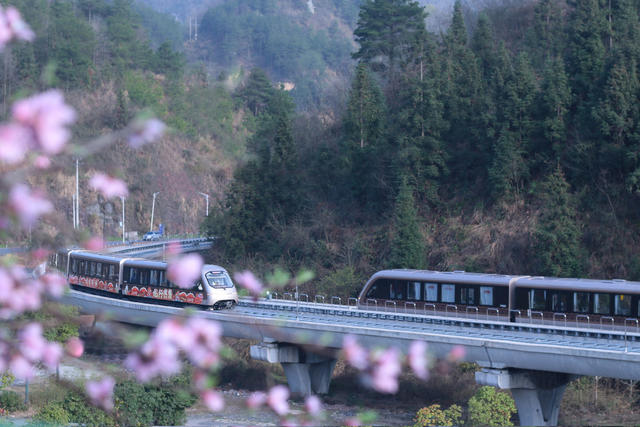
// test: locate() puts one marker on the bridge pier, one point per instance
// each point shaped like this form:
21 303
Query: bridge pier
537 393
307 372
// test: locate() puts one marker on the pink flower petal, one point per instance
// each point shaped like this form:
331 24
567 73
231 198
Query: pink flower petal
101 392
256 399
277 399
185 270
247 280
74 347
28 205
213 400
356 356
313 405
19 28
15 143
109 187
418 359
145 131
95 243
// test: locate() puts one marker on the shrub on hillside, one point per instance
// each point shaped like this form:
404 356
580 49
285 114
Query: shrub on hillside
434 416
11 401
52 414
490 408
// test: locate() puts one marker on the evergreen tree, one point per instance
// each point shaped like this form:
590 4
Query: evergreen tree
554 102
407 244
386 32
557 238
365 110
256 92
168 62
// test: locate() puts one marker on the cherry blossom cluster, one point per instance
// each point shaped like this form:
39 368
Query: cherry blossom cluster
197 339
380 368
277 399
21 292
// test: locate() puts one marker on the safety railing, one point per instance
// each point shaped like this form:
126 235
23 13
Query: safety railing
450 306
493 310
580 317
472 309
274 295
375 303
287 294
388 303
319 297
533 314
513 313
334 299
609 320
432 306
306 297
409 303
561 316
630 321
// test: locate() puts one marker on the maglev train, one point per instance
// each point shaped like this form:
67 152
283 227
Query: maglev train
143 280
501 297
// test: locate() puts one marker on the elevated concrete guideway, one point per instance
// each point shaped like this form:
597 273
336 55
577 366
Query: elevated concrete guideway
534 361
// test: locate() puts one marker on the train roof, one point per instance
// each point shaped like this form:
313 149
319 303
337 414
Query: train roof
446 277
95 256
573 284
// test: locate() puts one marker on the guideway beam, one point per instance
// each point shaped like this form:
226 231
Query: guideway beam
537 393
307 373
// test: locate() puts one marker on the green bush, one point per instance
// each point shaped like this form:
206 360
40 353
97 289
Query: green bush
11 401
81 412
52 414
490 408
6 379
434 416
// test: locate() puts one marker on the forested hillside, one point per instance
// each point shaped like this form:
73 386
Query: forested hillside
506 143
465 150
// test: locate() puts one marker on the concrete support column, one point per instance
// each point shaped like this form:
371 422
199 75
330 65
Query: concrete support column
307 373
537 393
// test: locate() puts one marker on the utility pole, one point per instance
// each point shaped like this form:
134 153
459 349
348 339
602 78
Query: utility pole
77 222
73 208
153 207
195 23
206 196
123 228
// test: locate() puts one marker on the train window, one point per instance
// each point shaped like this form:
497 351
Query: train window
380 289
581 303
413 290
74 266
133 276
431 292
81 268
153 278
560 301
92 269
448 293
99 269
601 304
398 289
112 272
86 267
144 277
538 299
486 295
218 279
622 305
161 279
467 295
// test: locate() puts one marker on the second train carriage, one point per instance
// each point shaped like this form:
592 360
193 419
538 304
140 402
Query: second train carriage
504 296
141 279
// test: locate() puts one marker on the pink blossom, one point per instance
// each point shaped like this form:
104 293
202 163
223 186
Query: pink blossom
174 248
247 280
145 131
185 270
277 399
51 355
5 29
213 400
157 357
457 353
21 367
28 205
109 187
352 422
94 243
356 356
31 342
47 115
74 347
313 405
384 377
15 143
101 392
54 284
418 359
19 28
42 162
171 330
203 352
256 399
6 285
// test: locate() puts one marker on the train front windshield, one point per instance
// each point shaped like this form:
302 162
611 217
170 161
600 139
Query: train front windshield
218 279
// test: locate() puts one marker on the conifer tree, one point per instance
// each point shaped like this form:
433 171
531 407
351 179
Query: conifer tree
557 246
407 244
554 102
365 109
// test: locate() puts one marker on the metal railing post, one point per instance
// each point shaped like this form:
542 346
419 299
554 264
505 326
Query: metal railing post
608 318
446 309
304 295
319 296
395 306
352 299
375 301
433 308
493 309
407 303
472 308
533 313
333 298
582 316
564 316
